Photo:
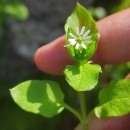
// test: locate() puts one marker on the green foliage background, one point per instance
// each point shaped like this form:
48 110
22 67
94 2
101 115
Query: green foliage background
14 118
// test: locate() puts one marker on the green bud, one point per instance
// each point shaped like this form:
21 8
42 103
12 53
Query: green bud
81 35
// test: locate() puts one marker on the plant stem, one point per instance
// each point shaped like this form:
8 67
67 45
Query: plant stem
76 113
83 109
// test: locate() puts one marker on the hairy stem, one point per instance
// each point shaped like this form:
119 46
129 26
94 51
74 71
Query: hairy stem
83 109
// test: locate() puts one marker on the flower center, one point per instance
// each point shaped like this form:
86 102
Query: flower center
79 39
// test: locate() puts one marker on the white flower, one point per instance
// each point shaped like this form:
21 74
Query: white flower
80 39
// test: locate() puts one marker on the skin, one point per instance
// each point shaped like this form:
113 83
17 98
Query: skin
113 48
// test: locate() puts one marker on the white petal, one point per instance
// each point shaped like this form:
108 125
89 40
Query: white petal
86 33
84 46
72 35
82 30
88 37
87 42
77 30
71 40
77 46
73 43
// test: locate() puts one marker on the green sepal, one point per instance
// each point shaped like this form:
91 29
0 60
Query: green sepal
114 100
39 97
80 17
82 77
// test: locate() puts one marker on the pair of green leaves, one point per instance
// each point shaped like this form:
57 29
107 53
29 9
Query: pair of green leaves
46 98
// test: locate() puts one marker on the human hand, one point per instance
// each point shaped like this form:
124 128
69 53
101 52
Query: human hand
113 48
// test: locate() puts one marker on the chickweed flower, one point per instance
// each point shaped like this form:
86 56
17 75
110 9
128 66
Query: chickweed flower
80 39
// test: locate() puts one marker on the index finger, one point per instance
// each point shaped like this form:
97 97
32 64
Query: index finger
113 47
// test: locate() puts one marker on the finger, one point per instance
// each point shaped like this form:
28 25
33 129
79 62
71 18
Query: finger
114 44
52 57
112 123
128 76
113 47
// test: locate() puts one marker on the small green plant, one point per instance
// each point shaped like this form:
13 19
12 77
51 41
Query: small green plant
13 8
45 97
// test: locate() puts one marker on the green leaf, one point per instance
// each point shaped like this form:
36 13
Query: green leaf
80 17
18 11
114 100
39 97
83 77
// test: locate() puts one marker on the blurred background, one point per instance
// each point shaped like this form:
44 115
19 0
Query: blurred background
25 25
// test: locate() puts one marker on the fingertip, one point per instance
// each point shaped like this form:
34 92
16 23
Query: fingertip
52 58
37 59
111 123
45 61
